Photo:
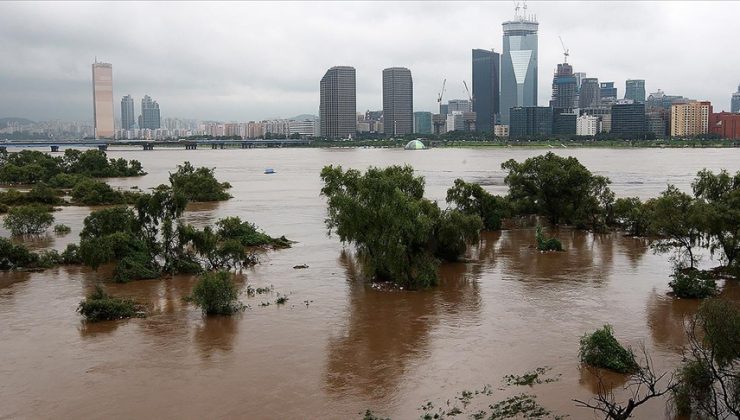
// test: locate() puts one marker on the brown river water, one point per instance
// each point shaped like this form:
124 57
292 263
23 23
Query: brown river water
338 346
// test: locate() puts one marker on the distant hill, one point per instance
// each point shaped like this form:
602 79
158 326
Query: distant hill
4 122
303 117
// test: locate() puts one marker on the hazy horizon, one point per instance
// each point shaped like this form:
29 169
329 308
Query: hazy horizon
251 61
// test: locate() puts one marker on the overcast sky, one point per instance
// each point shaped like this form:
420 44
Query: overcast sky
250 61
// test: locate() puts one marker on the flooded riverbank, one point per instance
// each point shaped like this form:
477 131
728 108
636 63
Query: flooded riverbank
339 347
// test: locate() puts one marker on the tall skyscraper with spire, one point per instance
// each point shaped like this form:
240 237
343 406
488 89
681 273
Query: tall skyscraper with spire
102 78
519 63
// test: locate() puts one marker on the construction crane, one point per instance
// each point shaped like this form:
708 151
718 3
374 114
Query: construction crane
565 50
472 99
441 94
439 120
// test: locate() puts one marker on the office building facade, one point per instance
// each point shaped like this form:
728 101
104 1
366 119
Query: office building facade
589 95
519 65
398 101
634 89
735 103
588 125
608 91
128 118
338 104
530 121
102 78
628 120
423 122
485 89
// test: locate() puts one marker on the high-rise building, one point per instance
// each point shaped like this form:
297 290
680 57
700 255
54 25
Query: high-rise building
398 101
690 118
485 89
589 95
149 118
735 104
338 104
635 90
423 122
530 121
588 125
102 78
128 121
519 64
462 105
564 122
628 120
579 78
607 90
564 88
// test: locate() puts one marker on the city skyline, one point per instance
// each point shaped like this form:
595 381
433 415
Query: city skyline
206 80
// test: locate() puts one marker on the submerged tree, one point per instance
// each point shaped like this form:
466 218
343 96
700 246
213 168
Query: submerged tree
28 220
472 199
559 188
677 219
198 184
721 221
399 235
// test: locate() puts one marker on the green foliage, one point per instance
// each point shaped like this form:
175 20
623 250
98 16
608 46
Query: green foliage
632 215
693 284
32 166
62 229
721 217
244 232
66 181
677 219
28 220
707 381
90 192
215 293
547 244
71 256
108 221
49 258
519 406
14 256
471 198
40 194
398 234
99 306
135 266
559 188
4 208
198 184
602 350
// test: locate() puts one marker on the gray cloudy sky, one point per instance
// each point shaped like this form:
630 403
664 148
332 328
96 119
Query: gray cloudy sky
249 61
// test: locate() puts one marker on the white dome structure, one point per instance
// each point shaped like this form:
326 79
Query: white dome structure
415 145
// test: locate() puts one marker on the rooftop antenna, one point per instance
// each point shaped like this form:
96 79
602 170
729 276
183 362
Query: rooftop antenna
565 50
516 9
525 9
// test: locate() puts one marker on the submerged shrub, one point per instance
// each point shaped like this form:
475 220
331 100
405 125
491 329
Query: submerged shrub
71 255
99 306
198 184
602 350
547 244
15 256
693 284
49 258
28 220
62 229
215 293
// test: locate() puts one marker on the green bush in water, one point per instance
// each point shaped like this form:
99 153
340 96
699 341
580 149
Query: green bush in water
693 284
16 256
62 229
71 255
547 244
28 220
99 306
215 293
602 350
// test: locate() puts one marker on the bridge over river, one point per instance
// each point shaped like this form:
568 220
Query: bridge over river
55 146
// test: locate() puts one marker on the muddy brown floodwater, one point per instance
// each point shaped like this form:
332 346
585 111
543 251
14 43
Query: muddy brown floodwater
350 348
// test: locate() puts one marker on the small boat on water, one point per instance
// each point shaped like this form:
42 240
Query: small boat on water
269 171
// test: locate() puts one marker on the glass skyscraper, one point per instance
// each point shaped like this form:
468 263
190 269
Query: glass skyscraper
635 90
485 89
735 104
519 65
